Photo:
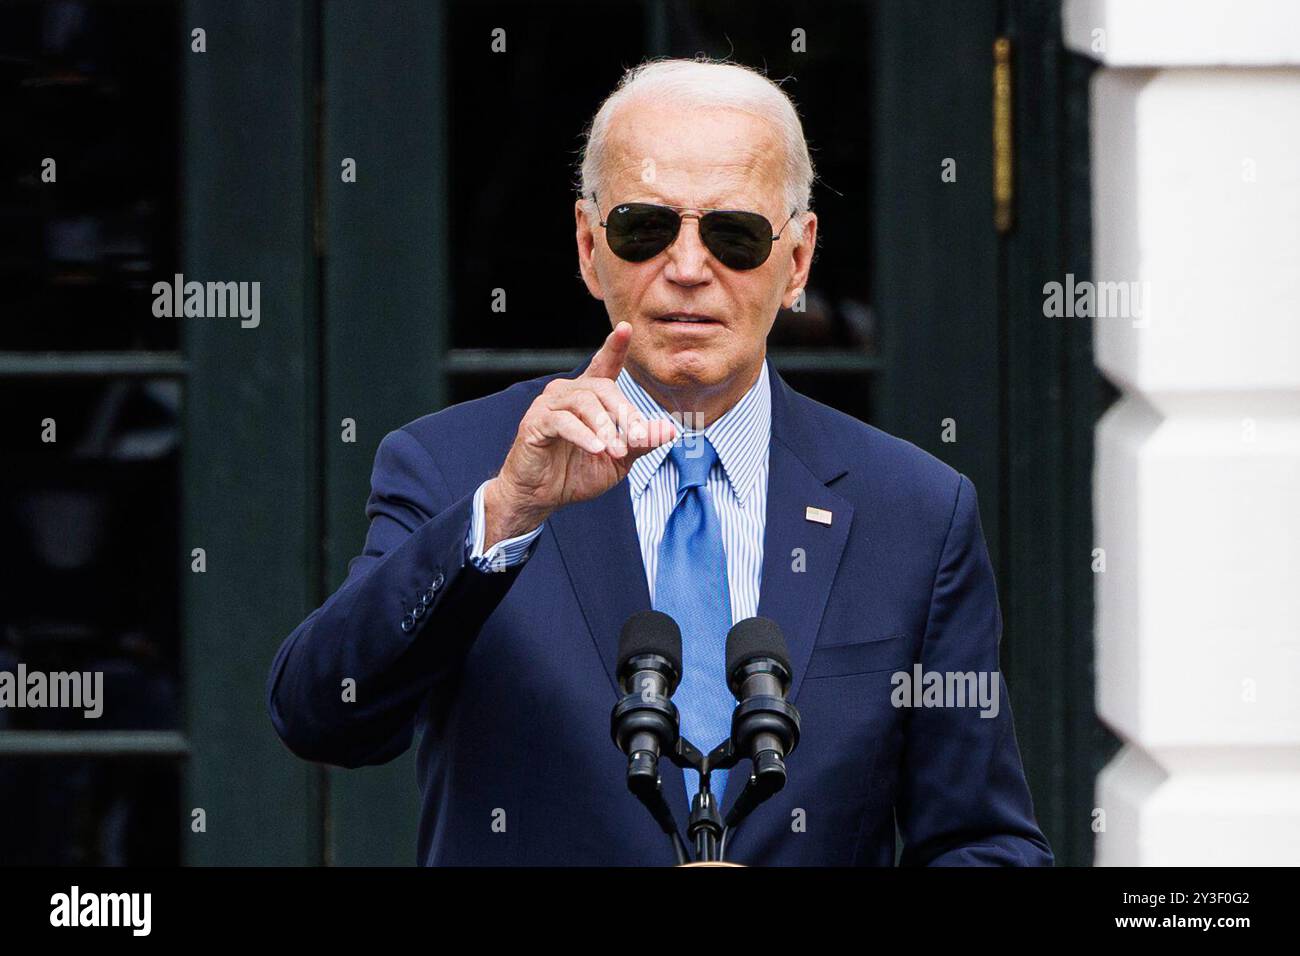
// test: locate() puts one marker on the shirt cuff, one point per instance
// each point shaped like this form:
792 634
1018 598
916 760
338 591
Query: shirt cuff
502 555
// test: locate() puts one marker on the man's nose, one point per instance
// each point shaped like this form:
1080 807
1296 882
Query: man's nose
687 255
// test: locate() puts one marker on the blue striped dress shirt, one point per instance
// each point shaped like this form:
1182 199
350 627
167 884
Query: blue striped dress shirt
737 484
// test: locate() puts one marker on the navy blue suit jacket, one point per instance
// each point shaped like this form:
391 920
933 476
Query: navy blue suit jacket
508 679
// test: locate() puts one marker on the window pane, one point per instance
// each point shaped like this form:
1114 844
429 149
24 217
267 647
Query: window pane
91 569
79 812
92 87
515 125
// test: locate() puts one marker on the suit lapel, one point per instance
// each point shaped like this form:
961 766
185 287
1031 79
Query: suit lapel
601 551
800 557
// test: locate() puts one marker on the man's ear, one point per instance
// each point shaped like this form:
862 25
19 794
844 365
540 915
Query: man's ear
802 256
586 236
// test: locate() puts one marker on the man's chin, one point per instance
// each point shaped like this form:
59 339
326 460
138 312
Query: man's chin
686 370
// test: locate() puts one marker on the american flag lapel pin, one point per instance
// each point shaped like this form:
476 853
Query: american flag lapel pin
818 515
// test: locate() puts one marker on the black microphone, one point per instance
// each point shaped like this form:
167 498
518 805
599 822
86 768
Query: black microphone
644 723
764 726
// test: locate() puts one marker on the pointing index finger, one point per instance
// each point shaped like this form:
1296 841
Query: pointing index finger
608 360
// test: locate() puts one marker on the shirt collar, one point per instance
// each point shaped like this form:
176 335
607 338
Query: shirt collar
740 436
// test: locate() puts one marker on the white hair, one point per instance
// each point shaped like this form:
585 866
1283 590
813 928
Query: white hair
705 82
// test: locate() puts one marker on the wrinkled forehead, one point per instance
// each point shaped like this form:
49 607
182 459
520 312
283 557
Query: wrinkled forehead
693 156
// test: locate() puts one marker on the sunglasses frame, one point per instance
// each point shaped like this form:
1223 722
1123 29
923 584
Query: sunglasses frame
699 215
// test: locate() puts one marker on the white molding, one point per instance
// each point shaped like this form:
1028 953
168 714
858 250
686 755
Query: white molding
1196 491
1184 32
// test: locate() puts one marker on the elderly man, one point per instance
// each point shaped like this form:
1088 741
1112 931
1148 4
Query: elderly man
511 537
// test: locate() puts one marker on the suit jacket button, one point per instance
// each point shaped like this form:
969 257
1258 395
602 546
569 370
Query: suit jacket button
437 581
418 612
408 622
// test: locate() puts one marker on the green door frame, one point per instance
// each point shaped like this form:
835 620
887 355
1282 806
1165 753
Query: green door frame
962 306
282 421
251 487
386 316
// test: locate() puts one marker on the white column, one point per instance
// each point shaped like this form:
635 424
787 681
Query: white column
1196 198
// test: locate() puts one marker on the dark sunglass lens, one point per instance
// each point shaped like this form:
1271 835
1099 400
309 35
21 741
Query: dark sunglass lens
640 231
740 240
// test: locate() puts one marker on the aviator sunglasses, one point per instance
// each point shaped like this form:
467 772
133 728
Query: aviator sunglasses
637 231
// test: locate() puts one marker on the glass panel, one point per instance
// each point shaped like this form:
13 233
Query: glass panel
91 567
77 812
515 122
89 587
94 88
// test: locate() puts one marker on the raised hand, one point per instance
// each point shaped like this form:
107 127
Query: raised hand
577 440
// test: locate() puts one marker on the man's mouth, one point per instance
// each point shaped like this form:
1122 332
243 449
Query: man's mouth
687 318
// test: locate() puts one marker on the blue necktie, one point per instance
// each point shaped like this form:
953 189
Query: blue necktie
691 587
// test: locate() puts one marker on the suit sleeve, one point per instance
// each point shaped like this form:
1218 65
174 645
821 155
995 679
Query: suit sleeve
963 799
347 684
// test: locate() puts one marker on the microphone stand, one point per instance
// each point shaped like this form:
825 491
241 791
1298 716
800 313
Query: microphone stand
707 829
704 828
761 786
646 785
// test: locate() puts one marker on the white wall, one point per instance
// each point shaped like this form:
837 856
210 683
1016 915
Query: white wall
1196 195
